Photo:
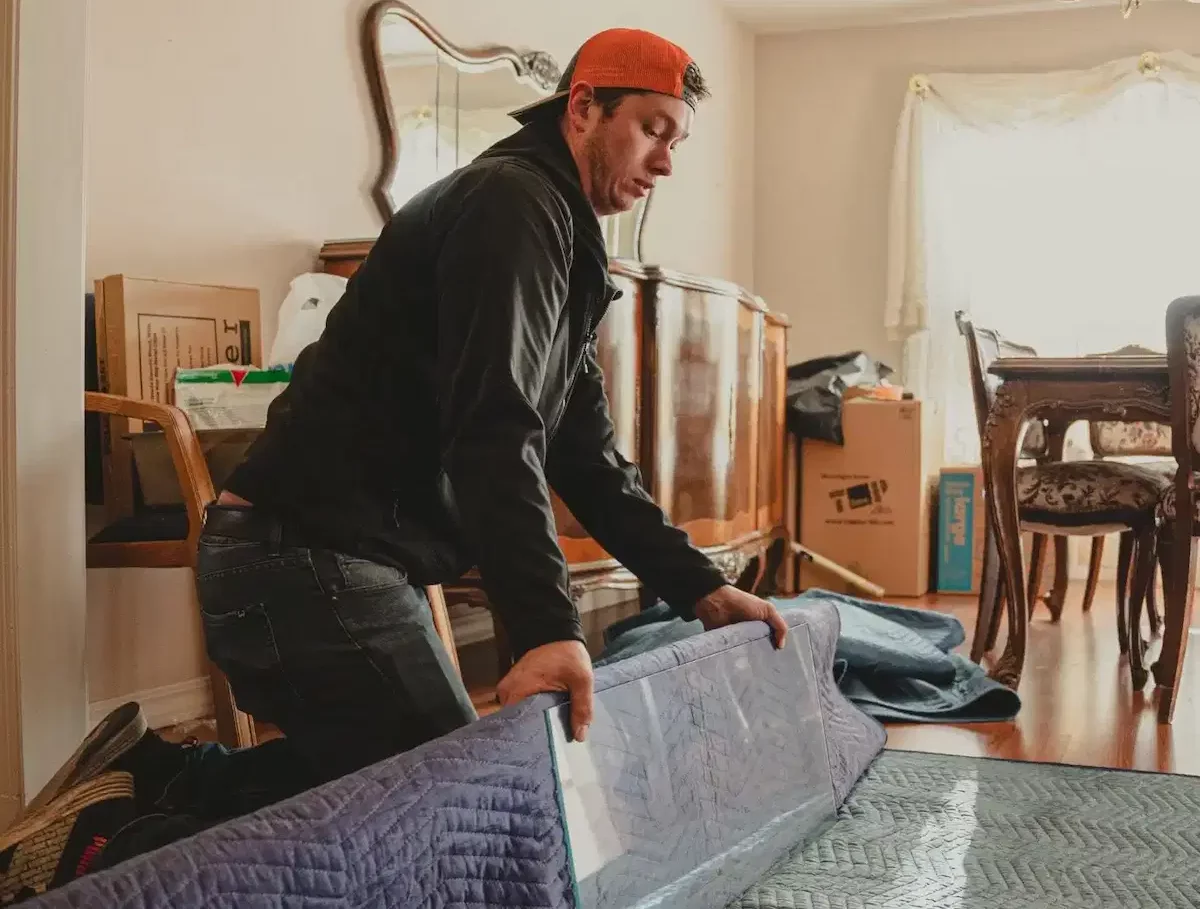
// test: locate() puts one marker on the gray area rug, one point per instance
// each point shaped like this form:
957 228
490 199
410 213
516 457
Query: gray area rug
923 831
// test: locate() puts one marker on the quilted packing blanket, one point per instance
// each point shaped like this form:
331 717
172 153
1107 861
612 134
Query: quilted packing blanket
709 761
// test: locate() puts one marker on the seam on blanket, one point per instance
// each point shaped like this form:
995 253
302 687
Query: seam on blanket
824 719
562 811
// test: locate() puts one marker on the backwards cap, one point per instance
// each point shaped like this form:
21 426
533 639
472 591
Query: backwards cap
626 58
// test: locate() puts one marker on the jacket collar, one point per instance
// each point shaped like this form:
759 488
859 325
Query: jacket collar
542 144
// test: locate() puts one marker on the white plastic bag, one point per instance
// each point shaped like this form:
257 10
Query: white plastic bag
303 313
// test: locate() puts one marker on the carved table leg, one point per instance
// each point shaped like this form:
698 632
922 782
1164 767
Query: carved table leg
1000 454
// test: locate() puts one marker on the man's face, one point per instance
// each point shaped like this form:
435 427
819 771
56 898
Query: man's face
622 154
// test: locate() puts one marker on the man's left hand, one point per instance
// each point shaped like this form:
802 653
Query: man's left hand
729 605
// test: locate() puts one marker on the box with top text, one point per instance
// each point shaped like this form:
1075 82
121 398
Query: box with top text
866 504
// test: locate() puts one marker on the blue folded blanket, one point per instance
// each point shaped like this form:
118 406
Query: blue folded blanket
894 662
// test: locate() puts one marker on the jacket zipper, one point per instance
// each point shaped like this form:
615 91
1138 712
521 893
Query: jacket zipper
588 335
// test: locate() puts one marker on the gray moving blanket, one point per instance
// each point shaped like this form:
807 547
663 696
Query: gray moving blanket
710 759
894 662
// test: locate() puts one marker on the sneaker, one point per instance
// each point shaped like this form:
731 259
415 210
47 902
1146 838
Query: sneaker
62 840
155 765
113 736
147 833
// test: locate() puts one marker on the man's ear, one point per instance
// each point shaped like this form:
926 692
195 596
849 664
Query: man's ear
579 104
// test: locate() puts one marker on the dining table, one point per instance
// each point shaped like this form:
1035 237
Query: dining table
1059 391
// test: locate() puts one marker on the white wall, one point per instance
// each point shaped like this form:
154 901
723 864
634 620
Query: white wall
49 382
229 139
827 108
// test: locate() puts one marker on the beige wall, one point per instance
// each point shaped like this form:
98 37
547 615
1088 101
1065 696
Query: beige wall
228 140
827 108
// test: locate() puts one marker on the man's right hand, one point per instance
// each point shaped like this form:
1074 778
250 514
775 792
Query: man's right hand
560 666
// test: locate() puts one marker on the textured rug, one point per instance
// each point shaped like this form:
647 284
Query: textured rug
923 831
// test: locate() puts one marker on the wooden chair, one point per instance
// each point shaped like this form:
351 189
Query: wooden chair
1068 498
161 540
167 539
1038 446
1179 524
1146 443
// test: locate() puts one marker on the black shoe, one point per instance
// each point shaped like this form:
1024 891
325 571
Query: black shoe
63 840
155 764
147 833
113 736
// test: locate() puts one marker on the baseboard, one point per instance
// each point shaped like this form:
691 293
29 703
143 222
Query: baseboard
169 705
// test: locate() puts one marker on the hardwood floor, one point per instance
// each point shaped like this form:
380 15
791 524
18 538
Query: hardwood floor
1077 704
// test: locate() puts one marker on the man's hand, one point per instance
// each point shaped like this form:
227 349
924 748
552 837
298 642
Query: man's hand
561 666
728 605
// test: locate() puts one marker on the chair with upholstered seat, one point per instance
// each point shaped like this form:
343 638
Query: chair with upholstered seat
1067 498
1144 443
1180 525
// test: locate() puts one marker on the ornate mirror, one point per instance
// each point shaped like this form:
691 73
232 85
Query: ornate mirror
439 106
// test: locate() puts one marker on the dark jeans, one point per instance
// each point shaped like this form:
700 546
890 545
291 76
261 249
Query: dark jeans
339 653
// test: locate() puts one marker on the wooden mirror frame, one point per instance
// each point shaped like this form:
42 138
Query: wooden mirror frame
537 66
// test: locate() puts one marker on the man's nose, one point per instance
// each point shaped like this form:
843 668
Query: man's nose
660 165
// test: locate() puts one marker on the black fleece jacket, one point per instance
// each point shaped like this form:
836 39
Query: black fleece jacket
455 385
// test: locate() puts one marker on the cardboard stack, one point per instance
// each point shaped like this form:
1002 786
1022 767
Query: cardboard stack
145 331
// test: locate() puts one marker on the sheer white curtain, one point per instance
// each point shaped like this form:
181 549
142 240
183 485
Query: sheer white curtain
1061 209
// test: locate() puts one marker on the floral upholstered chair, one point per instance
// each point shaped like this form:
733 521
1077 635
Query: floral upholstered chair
1179 525
1148 444
1062 498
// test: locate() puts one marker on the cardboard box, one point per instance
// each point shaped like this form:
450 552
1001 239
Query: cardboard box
961 530
147 329
866 505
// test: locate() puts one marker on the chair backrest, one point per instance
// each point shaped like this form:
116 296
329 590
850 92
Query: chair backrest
1183 363
1112 439
191 471
984 347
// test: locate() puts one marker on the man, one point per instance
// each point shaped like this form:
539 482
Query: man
454 386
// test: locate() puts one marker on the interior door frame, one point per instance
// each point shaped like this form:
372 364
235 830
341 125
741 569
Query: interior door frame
43 223
11 771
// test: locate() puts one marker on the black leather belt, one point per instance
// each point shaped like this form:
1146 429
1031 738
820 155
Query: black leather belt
251 524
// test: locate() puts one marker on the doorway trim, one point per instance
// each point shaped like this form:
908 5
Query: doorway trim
11 775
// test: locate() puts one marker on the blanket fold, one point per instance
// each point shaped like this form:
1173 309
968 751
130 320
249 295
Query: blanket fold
895 663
